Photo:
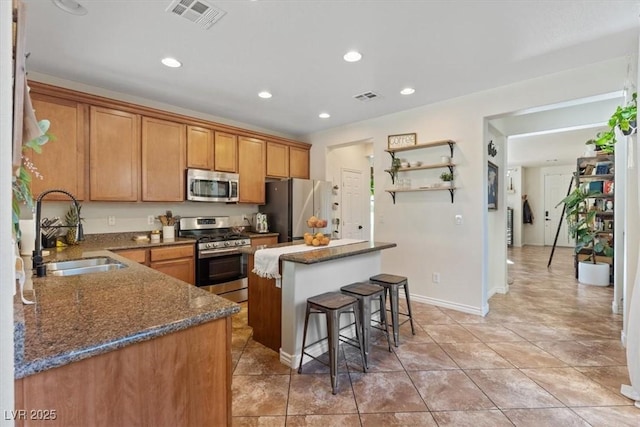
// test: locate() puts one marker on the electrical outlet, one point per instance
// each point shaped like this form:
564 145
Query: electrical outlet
458 219
435 277
244 217
151 219
111 220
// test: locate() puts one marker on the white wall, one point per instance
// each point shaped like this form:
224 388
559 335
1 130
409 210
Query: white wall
497 220
423 223
514 201
133 216
6 250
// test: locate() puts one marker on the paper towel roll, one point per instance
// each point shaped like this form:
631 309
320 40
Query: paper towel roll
28 236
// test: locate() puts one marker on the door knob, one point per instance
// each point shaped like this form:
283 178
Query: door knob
359 227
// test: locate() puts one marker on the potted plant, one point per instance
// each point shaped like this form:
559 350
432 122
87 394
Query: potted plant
21 184
581 223
447 178
624 118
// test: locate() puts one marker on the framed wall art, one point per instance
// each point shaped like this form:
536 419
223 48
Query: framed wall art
402 140
492 186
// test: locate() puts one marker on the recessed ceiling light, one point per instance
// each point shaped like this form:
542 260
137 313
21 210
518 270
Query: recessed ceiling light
407 91
352 56
324 115
264 94
171 62
70 6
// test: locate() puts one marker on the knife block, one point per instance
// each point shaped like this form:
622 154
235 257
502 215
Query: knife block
49 242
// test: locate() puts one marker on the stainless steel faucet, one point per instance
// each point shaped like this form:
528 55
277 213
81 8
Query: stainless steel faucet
38 265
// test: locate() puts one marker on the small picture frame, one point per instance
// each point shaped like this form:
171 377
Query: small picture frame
492 186
402 140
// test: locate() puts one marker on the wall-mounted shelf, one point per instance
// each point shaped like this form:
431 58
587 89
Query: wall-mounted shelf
393 172
440 143
411 190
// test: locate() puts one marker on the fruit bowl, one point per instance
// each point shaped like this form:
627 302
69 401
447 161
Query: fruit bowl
317 239
314 222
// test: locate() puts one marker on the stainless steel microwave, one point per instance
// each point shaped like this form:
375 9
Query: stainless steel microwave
209 186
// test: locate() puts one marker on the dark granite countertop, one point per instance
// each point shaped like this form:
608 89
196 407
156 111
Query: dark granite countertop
325 254
76 317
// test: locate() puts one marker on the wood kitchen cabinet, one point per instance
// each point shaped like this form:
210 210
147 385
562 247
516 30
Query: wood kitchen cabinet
182 378
62 161
199 148
137 255
264 308
298 162
263 240
277 160
251 167
176 261
163 160
114 147
225 156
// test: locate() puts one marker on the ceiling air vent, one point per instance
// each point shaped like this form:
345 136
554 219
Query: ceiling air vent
196 11
367 96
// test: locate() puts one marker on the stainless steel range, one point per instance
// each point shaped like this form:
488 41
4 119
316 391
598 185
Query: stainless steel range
220 267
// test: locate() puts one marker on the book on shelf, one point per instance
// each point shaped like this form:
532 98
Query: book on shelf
607 187
602 168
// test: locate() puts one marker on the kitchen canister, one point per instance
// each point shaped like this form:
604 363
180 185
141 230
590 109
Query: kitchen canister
168 233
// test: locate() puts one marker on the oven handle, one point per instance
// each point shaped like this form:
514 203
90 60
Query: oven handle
215 252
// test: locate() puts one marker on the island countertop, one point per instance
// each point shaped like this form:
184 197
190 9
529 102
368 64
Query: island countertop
76 317
324 254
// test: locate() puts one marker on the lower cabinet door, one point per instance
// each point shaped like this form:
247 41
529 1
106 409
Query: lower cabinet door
183 269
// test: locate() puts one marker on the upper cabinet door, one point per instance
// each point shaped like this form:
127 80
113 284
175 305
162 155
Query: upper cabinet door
163 160
298 162
277 160
62 161
199 148
225 152
251 167
114 146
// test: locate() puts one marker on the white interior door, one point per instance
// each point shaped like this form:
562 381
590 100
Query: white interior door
352 204
555 189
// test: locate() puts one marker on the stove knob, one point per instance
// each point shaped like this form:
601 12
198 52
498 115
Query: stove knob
238 242
227 243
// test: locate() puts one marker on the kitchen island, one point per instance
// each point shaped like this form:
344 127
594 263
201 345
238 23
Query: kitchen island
277 309
130 346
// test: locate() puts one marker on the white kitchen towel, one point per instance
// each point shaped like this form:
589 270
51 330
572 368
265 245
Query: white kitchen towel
265 261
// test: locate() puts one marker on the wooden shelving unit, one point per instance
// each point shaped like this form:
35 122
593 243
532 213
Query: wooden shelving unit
393 172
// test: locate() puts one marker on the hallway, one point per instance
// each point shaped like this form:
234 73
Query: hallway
547 354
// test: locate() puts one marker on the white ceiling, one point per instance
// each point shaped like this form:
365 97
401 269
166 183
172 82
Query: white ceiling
294 49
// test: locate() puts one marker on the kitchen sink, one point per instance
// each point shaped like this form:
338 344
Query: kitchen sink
83 266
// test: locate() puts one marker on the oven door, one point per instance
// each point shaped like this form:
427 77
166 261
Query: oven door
223 273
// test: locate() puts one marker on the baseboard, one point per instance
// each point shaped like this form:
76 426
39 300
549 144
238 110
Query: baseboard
454 306
623 338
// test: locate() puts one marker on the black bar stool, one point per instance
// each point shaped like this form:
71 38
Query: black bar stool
332 305
365 292
392 283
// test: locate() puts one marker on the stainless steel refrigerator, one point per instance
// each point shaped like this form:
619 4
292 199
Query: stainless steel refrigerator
289 203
